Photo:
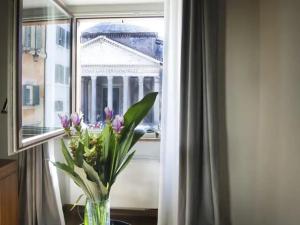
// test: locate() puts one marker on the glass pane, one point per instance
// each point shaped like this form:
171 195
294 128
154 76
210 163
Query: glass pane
45 68
126 57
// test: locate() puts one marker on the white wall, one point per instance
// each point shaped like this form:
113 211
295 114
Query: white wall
136 186
262 83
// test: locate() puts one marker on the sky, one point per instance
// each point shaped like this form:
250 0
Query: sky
152 24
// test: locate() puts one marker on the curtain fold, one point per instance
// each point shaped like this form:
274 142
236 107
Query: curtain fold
38 202
198 191
189 178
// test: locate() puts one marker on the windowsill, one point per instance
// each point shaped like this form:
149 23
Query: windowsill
146 139
30 106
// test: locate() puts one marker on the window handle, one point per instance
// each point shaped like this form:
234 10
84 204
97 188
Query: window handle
4 108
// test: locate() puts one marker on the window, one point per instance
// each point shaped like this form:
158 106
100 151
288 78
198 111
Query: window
120 61
59 74
38 37
59 106
42 77
27 37
67 75
31 96
68 40
60 36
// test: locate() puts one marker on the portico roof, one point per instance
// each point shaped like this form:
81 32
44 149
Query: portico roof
106 52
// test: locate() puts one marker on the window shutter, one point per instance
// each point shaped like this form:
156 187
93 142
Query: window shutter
26 95
68 40
36 95
59 106
63 37
38 36
27 41
58 35
67 76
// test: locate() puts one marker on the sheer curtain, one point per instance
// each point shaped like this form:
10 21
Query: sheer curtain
169 159
38 194
189 187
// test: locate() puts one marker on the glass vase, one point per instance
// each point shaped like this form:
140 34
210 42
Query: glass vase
97 213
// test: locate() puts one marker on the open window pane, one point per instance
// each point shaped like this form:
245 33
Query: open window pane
119 62
44 75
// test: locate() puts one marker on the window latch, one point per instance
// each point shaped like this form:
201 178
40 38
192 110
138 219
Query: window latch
4 108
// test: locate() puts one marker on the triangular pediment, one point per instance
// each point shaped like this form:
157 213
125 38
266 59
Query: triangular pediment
104 51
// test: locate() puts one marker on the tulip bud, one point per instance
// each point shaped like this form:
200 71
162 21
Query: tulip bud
118 124
108 113
65 121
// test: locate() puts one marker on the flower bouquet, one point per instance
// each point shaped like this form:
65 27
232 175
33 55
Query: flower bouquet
94 160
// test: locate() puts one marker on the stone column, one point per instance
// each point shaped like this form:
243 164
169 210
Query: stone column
125 94
93 99
156 104
141 87
110 92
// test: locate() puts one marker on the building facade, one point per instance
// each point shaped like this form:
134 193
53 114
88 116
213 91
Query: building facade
119 64
45 78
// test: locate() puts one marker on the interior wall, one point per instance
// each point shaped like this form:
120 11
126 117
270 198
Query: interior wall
6 17
262 84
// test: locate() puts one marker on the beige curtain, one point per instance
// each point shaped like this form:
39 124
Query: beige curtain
38 202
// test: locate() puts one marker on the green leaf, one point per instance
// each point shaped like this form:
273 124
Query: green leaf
93 175
126 145
79 154
75 177
136 136
124 164
113 152
67 155
106 136
86 138
136 113
91 186
76 202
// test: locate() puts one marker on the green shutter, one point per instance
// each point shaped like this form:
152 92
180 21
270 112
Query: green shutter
26 95
36 95
38 36
68 40
27 41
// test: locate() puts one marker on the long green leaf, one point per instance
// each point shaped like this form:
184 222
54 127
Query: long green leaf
79 155
125 145
123 165
136 113
91 186
93 175
75 177
67 155
136 136
76 202
106 135
113 157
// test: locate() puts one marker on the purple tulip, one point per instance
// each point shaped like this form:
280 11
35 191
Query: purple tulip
76 119
65 121
108 113
118 124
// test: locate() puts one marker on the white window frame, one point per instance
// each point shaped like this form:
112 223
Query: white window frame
78 12
102 14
